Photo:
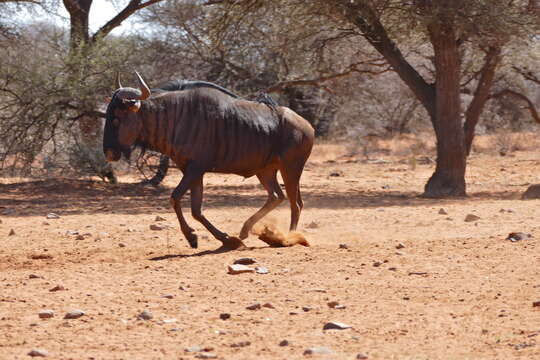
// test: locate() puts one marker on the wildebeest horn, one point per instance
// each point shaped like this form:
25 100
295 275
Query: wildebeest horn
144 88
118 85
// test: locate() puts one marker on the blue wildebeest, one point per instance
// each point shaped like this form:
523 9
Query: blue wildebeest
205 129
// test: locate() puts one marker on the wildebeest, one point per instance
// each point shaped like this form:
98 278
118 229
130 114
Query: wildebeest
204 129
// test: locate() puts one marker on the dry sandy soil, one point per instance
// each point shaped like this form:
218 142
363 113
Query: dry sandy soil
413 283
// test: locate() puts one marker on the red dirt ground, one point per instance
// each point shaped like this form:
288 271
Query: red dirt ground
451 290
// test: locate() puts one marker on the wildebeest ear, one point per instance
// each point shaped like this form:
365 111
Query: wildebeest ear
108 99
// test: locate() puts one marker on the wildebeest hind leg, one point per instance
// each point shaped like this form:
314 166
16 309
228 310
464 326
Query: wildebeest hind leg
190 175
196 212
275 197
291 177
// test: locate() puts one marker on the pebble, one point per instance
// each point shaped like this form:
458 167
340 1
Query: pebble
245 261
34 276
241 344
377 263
157 227
72 232
206 355
318 350
361 356
121 245
46 314
52 216
224 316
334 325
256 306
400 246
261 270
343 246
193 349
41 256
471 218
517 236
159 218
284 343
335 305
442 212
536 304
239 269
79 237
11 232
74 314
145 315
268 306
57 288
167 296
38 353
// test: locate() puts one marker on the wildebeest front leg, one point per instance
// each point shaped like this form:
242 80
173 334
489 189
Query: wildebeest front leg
196 212
191 174
275 197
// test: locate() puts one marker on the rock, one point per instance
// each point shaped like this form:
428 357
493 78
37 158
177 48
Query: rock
72 232
167 296
159 218
38 353
145 315
157 227
318 350
442 212
241 344
306 308
256 306
169 321
261 270
343 246
193 349
121 245
34 276
361 357
268 306
245 261
336 173
74 314
536 304
471 218
40 257
11 232
517 236
224 316
400 246
239 269
332 304
79 237
46 314
284 343
532 192
52 216
334 325
206 355
57 288
377 263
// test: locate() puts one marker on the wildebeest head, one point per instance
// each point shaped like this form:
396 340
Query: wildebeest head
122 125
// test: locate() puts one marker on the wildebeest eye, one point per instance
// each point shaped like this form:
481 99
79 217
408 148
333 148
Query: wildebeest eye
116 122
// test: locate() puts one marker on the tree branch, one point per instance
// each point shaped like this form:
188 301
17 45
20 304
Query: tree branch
530 104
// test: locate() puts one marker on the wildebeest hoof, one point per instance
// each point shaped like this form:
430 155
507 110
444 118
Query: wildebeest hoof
233 243
192 240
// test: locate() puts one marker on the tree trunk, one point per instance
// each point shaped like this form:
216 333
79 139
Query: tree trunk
449 177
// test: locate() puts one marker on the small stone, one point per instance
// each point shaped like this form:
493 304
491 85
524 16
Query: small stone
57 288
261 270
442 212
361 356
72 232
268 306
306 308
334 325
239 269
46 314
170 321
145 315
532 192
536 304
241 344
206 355
167 296
121 245
517 236
343 246
193 349
52 216
400 246
79 237
74 314
224 316
130 230
284 343
159 218
256 306
40 257
38 353
319 350
11 232
471 218
377 263
332 304
245 261
157 227
34 276
336 174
